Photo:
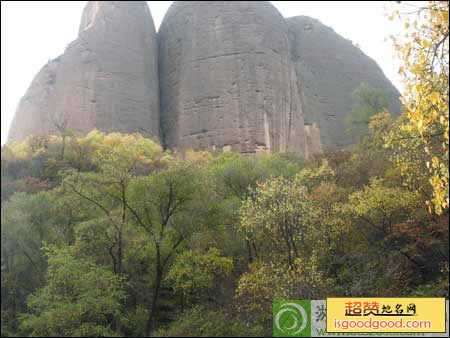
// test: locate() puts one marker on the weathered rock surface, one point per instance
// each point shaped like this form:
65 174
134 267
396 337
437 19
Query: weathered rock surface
232 76
106 79
226 79
312 140
329 68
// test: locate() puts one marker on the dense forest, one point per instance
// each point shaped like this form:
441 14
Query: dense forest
111 235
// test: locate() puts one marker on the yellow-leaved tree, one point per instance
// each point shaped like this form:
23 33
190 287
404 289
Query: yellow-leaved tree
423 47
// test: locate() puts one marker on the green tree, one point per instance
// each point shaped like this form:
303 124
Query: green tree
162 204
79 298
377 208
286 219
368 101
195 274
26 225
236 176
375 256
29 221
119 159
280 214
202 321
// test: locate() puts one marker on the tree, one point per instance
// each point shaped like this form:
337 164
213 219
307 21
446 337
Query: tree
406 149
202 321
60 122
281 215
377 208
271 280
294 233
236 177
423 48
30 221
79 298
119 159
26 225
375 257
161 204
195 273
80 153
368 101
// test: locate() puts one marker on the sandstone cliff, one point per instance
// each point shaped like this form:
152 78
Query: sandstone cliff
106 79
329 68
221 75
226 78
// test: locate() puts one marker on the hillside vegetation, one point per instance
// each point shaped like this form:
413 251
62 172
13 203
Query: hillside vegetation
111 235
114 236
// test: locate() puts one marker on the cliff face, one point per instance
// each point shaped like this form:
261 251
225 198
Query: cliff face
222 75
106 79
329 68
226 78
32 115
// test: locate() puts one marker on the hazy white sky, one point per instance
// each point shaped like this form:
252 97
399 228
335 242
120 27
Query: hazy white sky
32 32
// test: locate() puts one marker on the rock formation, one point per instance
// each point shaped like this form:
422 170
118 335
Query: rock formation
233 75
106 79
226 79
329 68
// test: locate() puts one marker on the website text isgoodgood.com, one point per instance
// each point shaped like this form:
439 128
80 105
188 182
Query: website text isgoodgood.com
381 324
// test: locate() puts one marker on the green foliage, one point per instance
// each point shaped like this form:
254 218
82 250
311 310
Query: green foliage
438 288
26 226
377 208
120 155
287 219
164 196
271 280
282 215
80 298
196 232
194 272
133 322
236 175
201 321
368 101
312 177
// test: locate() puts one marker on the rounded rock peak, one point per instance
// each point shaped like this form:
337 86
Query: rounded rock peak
115 12
225 77
202 7
330 68
107 78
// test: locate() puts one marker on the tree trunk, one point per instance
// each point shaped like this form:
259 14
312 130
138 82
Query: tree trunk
154 305
119 253
63 146
14 310
254 249
249 249
182 302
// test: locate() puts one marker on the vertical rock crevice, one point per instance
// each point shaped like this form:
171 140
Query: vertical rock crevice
329 68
